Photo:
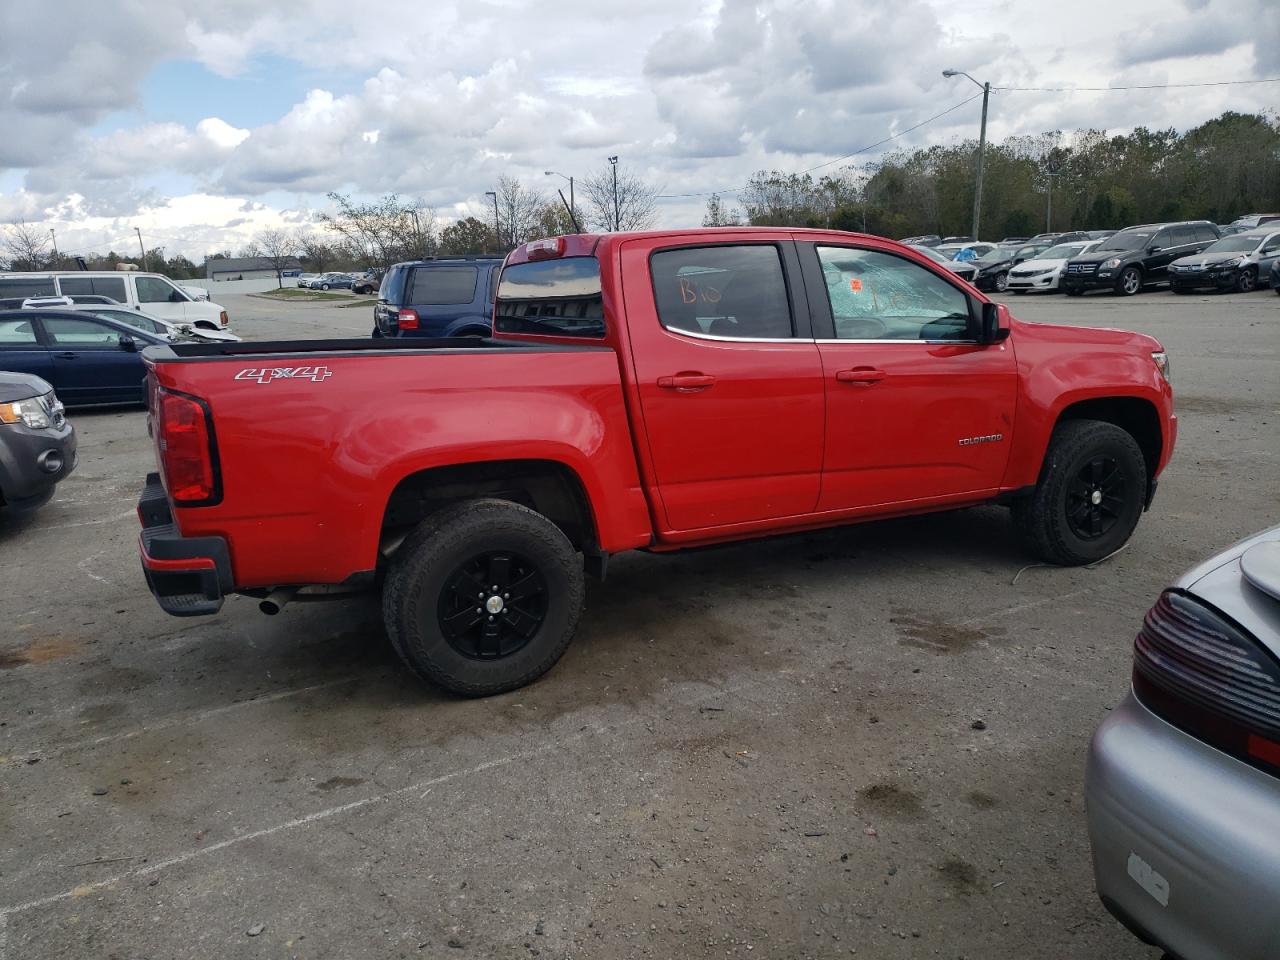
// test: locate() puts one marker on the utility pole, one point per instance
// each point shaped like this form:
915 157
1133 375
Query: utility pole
617 215
982 148
1048 211
497 227
573 209
142 248
54 237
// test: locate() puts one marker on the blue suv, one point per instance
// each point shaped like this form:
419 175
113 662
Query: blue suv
437 297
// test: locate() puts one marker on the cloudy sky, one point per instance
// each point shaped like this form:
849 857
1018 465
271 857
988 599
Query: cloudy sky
203 122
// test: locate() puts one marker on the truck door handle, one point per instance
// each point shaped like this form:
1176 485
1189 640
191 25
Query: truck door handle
866 375
687 381
65 356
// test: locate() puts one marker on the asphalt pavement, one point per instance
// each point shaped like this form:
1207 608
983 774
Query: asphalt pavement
867 741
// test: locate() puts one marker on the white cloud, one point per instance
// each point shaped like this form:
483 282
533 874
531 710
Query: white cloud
693 95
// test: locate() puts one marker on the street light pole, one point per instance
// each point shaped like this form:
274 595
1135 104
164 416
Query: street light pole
982 147
617 216
142 248
1048 210
573 210
54 237
497 228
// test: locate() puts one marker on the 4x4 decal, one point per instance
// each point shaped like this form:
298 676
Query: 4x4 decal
268 374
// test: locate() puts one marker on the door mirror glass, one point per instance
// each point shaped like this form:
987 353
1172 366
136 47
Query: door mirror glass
991 331
128 344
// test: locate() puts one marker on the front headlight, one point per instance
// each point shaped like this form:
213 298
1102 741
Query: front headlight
1111 264
1161 360
1231 263
32 412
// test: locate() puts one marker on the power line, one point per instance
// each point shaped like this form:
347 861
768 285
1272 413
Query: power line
827 163
1140 86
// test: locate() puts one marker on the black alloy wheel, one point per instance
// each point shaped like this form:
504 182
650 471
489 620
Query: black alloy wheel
1096 498
492 605
1246 281
1001 281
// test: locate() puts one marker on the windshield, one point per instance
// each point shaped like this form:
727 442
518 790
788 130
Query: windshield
1240 243
1125 241
1063 251
557 298
930 253
997 253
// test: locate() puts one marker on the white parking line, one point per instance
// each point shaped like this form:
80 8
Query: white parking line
172 720
85 889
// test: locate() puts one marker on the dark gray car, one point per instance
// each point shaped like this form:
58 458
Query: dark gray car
37 443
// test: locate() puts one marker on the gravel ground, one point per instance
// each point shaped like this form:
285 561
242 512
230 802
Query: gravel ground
867 741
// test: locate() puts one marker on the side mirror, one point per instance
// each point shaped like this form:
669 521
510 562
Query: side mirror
991 329
1153 249
128 344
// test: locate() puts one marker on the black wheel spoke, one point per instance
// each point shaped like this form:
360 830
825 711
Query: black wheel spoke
492 605
491 639
461 621
499 571
522 623
524 588
1096 497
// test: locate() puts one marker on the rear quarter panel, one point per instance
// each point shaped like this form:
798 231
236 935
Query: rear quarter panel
309 466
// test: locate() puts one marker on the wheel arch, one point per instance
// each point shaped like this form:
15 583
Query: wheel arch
1137 416
549 487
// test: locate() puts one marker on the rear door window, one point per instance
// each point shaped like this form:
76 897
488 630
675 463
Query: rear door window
112 287
17 333
723 291
556 298
443 285
1205 233
1183 236
81 334
27 287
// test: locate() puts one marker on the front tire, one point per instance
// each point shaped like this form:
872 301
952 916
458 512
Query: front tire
1246 281
450 625
1089 497
324 286
1000 282
1129 282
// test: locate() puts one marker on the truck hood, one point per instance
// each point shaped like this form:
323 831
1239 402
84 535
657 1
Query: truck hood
1086 336
21 386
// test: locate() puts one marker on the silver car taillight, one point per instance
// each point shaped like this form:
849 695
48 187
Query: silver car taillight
1201 672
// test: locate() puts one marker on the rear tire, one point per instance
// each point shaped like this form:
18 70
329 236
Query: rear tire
1091 492
522 628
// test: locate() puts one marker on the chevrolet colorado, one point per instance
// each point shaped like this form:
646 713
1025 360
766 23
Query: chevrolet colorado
648 391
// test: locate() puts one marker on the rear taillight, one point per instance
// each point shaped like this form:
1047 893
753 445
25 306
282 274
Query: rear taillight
407 319
187 450
1203 673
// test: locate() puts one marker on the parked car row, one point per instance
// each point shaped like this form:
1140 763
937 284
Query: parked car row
1186 255
366 282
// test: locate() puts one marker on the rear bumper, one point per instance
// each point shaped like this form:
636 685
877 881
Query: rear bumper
188 576
1186 840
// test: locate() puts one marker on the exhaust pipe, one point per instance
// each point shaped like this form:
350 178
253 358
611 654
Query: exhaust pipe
274 602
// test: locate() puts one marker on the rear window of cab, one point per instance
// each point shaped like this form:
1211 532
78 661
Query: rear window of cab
552 298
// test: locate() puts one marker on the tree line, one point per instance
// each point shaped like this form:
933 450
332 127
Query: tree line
1091 180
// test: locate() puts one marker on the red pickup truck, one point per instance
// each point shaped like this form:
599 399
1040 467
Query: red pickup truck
646 391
